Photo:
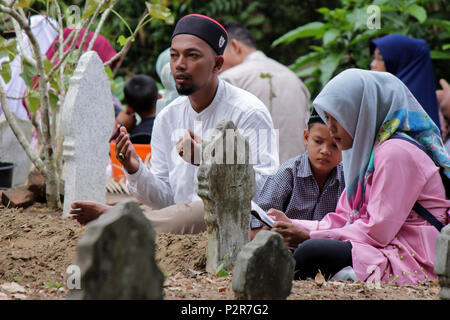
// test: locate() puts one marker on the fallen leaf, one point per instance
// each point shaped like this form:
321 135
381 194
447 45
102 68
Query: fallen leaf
319 279
222 289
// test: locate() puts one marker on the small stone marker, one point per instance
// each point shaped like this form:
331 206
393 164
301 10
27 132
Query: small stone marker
226 183
12 151
116 256
442 262
264 269
88 120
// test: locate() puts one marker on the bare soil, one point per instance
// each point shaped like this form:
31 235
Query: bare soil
37 245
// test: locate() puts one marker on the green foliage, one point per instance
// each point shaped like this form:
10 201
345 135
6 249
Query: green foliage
53 284
221 270
343 35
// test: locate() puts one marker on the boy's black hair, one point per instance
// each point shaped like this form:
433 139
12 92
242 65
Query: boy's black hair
314 118
141 93
240 33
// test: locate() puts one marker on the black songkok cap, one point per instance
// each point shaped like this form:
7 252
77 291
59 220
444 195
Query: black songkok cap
207 29
315 118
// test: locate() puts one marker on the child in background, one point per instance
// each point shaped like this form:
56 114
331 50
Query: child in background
141 94
309 185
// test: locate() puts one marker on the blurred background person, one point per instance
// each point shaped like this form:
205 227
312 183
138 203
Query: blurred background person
409 60
283 93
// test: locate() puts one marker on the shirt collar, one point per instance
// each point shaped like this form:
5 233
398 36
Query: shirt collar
212 106
304 169
254 56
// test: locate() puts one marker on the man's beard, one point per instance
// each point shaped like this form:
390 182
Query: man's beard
186 91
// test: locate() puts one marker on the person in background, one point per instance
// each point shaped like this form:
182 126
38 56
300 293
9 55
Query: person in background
169 93
141 94
309 185
395 200
409 60
283 93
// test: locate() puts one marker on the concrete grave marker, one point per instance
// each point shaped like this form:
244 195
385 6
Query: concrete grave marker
88 120
264 269
226 183
116 256
12 151
442 262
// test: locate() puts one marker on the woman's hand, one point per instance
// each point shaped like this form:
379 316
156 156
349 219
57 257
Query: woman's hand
278 215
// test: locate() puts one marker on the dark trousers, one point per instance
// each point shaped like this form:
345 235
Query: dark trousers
327 255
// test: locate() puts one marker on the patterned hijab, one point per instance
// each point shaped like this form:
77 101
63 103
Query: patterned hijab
371 106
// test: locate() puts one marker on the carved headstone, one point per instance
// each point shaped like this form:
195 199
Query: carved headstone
226 183
88 120
264 269
442 262
116 256
12 151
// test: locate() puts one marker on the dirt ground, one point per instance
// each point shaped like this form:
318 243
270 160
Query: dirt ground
37 246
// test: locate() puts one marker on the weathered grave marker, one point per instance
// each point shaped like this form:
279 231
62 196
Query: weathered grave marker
226 183
442 262
116 256
264 269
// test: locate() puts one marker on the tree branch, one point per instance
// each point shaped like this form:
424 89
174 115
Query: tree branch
100 25
23 49
88 28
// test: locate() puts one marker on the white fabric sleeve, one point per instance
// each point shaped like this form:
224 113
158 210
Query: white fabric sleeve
152 187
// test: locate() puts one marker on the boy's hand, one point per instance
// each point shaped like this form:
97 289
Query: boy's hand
292 234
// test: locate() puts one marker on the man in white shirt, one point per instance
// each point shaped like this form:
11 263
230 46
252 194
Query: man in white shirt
171 183
283 93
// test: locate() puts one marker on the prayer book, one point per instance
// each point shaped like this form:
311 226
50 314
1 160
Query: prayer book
259 214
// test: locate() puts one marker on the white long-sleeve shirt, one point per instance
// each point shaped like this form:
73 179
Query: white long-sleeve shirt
170 179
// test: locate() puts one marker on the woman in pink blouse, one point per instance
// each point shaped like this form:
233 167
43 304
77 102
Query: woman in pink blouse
392 152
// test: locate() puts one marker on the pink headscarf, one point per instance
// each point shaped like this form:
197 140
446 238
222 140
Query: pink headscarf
101 45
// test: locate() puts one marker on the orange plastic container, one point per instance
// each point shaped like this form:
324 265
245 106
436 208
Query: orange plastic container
144 152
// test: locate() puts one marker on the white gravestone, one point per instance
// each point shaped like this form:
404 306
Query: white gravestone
12 151
88 120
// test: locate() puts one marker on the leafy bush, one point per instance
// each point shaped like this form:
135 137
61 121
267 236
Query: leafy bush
343 36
